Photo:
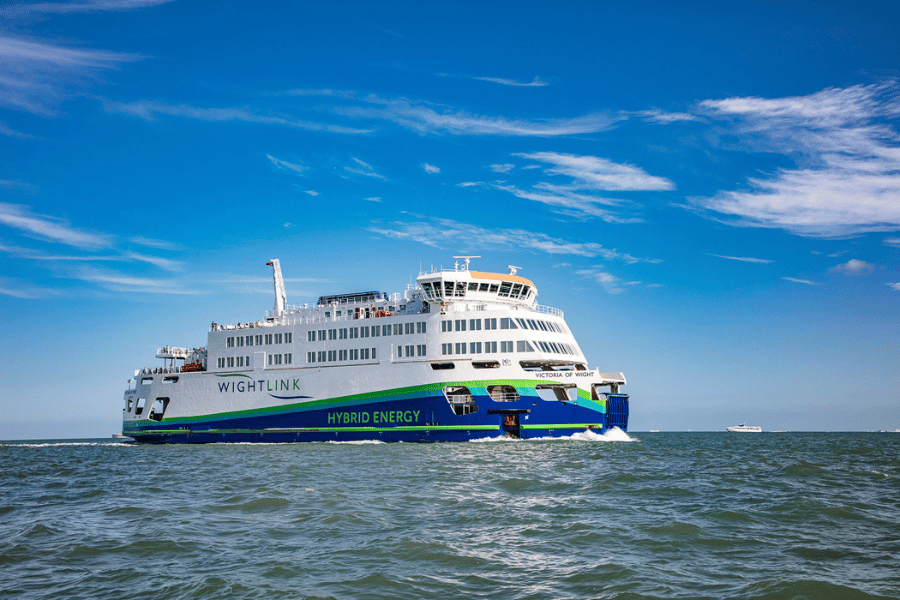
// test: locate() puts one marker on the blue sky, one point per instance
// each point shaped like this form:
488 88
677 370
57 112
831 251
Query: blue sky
710 191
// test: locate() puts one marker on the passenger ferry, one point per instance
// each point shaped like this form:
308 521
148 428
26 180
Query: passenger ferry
460 355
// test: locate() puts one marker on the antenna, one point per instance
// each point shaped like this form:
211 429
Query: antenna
512 269
466 259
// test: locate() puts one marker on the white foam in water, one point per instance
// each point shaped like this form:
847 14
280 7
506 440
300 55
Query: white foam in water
612 435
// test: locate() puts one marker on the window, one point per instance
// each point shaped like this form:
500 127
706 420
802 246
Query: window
461 348
506 346
332 334
365 353
321 355
460 324
474 347
504 289
490 347
385 330
240 341
271 358
310 336
259 340
249 340
494 287
240 361
277 359
490 323
354 354
374 356
446 326
523 346
229 342
365 332
332 355
398 328
399 351
446 349
507 323
342 334
230 362
420 350
420 327
268 338
473 287
321 335
408 328
376 331
475 324
279 337
483 287
310 357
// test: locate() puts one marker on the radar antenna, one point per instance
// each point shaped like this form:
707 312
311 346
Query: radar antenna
280 296
466 259
512 269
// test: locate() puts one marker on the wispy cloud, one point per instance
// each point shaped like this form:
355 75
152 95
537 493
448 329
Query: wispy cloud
149 111
24 289
537 82
447 233
362 168
662 117
430 168
892 241
894 286
595 173
762 261
162 263
36 76
853 267
611 283
20 10
312 193
373 199
846 181
151 243
121 283
803 281
503 168
50 228
576 197
284 165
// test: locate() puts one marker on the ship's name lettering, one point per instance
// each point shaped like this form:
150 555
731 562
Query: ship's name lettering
561 374
374 417
244 385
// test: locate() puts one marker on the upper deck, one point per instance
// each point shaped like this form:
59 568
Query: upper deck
462 285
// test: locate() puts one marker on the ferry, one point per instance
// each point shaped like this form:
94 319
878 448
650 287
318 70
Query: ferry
744 428
460 355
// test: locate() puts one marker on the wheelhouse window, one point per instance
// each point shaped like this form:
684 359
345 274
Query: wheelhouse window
460 400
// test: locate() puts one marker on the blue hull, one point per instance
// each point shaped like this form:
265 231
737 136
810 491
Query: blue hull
421 419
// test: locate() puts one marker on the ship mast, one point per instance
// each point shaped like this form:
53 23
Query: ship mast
280 296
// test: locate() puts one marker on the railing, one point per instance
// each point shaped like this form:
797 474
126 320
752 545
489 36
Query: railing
548 310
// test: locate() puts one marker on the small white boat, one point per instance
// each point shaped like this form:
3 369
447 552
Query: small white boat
744 428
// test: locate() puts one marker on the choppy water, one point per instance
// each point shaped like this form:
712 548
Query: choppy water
693 515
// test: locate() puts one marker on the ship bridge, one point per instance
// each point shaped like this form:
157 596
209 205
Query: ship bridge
461 284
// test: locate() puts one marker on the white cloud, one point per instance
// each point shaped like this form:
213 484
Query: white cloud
846 181
853 267
117 282
373 199
284 165
161 244
50 228
312 193
162 263
24 289
504 168
440 233
430 168
804 281
892 242
537 82
570 203
894 286
663 117
763 261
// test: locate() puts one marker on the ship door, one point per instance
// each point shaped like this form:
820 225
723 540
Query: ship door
510 426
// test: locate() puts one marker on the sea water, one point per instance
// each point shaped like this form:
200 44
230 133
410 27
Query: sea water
643 515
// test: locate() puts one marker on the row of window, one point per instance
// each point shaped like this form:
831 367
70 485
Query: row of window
483 347
505 323
505 346
411 351
231 362
459 289
259 339
322 356
352 333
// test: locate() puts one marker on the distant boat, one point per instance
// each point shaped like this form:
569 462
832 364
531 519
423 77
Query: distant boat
744 428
